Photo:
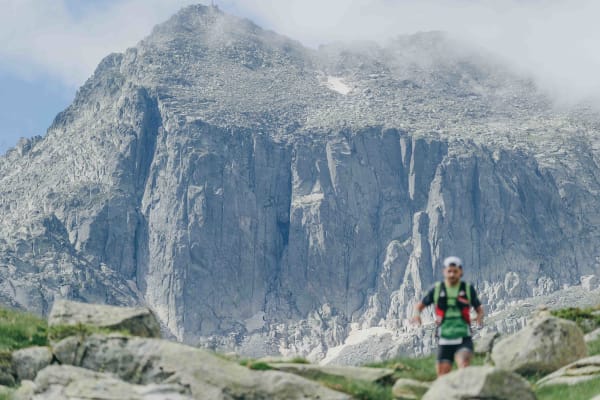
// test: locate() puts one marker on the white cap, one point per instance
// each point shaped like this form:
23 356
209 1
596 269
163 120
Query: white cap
452 260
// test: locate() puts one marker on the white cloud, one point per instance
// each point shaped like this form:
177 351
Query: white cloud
556 40
46 37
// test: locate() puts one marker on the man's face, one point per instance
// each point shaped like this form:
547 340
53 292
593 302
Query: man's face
452 273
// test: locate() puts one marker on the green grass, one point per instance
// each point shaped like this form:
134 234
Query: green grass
583 317
19 330
361 390
420 368
299 360
256 365
583 391
594 347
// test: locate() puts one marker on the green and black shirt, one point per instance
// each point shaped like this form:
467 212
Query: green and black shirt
453 320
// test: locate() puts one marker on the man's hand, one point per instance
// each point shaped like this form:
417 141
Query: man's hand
416 320
479 318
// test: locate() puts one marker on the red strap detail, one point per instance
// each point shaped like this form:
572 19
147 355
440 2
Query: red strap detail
439 315
466 314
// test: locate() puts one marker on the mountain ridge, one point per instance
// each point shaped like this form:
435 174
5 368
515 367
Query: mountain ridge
270 198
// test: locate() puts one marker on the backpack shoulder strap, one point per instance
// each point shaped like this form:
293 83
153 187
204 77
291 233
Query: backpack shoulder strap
467 288
436 292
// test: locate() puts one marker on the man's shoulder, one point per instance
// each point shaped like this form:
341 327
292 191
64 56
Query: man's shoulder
435 285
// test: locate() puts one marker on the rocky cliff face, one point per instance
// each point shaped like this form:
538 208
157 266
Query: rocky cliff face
263 196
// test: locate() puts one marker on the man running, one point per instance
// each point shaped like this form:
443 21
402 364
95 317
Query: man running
453 299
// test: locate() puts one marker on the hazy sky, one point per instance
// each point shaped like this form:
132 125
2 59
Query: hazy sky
49 47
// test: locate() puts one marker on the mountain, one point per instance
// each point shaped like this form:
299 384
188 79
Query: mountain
266 197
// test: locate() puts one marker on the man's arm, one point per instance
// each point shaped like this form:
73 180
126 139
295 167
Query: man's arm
478 307
416 319
479 318
420 306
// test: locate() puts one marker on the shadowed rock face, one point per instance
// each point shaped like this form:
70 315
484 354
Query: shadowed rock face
218 173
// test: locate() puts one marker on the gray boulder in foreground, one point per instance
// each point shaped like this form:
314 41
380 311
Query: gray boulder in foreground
138 321
480 383
408 389
28 362
543 346
485 344
206 376
592 336
65 382
579 371
360 373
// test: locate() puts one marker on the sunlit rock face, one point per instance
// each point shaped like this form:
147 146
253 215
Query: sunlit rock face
270 198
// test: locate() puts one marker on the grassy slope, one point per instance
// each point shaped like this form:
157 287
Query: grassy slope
19 330
582 391
423 369
587 321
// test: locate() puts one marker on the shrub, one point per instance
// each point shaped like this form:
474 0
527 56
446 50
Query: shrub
256 365
299 360
583 317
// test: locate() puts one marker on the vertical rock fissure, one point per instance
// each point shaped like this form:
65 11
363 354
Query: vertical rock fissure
145 154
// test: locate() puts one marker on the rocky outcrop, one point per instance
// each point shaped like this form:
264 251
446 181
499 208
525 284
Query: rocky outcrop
72 383
579 371
376 344
485 343
409 389
117 365
380 375
200 373
480 383
544 346
136 321
28 362
216 175
592 336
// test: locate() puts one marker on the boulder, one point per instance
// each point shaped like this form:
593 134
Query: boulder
485 343
480 383
71 383
155 361
592 336
408 389
361 373
24 392
28 362
543 346
589 282
6 391
6 371
138 321
367 346
579 371
6 376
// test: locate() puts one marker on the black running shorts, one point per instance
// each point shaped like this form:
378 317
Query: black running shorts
446 352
